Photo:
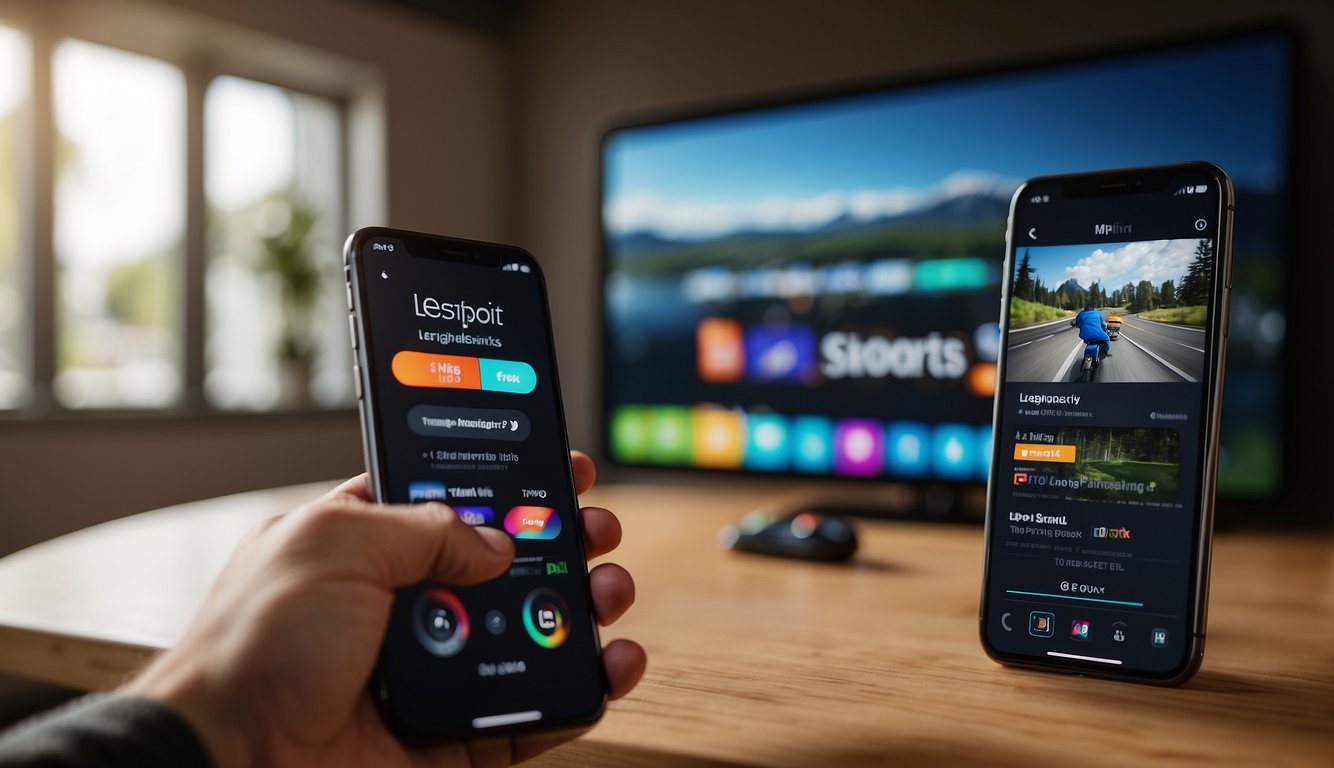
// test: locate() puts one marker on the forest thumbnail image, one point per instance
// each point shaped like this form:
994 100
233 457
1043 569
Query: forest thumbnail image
1137 463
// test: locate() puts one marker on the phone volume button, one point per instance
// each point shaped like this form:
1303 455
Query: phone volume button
352 330
349 296
356 379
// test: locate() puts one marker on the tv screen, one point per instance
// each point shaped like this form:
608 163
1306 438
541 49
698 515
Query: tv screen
812 287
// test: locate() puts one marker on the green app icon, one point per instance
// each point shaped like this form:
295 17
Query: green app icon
669 435
630 425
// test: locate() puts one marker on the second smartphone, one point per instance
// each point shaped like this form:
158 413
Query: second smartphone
460 404
1101 494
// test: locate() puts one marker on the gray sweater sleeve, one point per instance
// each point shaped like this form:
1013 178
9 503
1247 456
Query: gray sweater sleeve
104 731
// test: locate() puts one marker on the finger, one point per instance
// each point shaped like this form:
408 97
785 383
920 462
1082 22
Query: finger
613 592
585 471
625 661
602 531
358 487
398 545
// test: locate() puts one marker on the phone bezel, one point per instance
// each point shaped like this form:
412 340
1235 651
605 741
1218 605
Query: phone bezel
1112 183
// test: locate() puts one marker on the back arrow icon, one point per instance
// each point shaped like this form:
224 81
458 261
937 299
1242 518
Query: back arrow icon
1033 233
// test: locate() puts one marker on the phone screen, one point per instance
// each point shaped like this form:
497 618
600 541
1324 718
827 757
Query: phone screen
461 406
1100 500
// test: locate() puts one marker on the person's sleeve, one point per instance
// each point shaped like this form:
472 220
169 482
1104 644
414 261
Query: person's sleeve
104 731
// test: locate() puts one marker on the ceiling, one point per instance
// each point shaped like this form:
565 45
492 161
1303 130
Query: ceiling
494 17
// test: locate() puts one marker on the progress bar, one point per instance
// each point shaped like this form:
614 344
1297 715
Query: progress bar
1130 603
1083 658
493 721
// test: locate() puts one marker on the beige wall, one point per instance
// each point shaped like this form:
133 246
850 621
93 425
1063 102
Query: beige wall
446 166
582 65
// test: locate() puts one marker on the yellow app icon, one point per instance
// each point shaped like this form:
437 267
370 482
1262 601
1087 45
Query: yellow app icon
719 438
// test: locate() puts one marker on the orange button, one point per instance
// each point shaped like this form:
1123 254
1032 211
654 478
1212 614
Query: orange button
422 369
1064 454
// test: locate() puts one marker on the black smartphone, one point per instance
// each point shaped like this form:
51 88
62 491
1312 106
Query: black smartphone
1101 494
460 403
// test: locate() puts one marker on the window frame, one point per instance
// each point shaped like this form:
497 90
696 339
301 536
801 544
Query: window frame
352 88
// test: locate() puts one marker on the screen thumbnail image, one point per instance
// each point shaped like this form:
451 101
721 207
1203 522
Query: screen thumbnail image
1101 464
1145 302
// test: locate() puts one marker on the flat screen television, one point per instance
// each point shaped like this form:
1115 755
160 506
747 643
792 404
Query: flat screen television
811 287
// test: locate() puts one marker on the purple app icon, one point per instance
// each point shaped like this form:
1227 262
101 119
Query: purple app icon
859 447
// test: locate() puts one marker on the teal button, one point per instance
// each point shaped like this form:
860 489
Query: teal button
507 376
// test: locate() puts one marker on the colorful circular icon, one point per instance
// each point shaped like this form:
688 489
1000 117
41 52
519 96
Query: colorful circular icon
440 621
545 617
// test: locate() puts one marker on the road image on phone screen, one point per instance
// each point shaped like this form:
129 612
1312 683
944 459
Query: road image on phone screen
460 404
1101 491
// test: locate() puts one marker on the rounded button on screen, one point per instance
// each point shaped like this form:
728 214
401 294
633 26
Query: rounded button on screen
440 621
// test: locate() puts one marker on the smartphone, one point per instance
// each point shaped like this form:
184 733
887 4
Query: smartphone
1100 503
460 403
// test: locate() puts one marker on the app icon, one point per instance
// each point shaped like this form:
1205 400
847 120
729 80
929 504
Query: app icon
720 354
784 354
1158 637
441 623
630 433
426 490
953 452
812 443
907 449
986 340
859 447
1119 631
1021 478
474 515
532 523
982 379
495 622
768 446
1041 624
1079 629
719 437
984 447
669 435
545 618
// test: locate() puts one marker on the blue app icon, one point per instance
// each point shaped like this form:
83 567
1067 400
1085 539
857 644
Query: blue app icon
780 354
768 444
812 444
474 515
426 490
954 452
907 449
984 449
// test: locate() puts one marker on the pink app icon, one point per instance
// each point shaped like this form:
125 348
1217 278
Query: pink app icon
532 523
859 447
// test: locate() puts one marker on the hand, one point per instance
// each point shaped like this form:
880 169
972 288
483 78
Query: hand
273 669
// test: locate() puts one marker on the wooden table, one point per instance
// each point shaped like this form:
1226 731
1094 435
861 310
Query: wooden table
762 662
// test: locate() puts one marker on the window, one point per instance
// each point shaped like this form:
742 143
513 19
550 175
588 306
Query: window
170 232
14 75
119 227
274 180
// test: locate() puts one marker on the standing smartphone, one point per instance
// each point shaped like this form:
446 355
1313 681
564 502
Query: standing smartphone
460 404
1101 495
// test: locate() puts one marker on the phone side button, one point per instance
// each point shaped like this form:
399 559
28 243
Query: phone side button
352 330
356 378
